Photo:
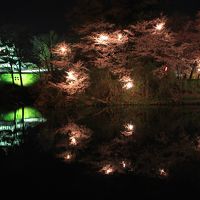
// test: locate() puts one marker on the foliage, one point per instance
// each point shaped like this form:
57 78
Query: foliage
42 46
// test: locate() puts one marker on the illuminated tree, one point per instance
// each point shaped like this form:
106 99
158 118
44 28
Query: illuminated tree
76 79
42 48
174 50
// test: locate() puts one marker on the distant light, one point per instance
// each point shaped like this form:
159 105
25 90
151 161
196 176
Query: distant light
160 26
68 156
63 49
123 164
162 172
73 141
127 82
128 85
119 37
166 68
198 69
71 76
107 169
102 39
129 127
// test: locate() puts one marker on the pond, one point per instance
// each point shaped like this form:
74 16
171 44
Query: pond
152 151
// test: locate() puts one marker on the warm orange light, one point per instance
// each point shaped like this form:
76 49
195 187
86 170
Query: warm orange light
107 169
162 172
62 49
129 130
123 164
68 156
127 82
160 26
119 37
71 76
102 39
73 141
128 85
129 127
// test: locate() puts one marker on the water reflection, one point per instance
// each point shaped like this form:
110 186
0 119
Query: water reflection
141 141
14 124
69 139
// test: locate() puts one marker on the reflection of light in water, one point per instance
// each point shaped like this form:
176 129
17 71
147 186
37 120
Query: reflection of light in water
198 143
13 124
163 172
107 169
129 129
77 134
124 164
67 156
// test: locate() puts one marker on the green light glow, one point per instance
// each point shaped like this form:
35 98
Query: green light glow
29 112
13 125
27 79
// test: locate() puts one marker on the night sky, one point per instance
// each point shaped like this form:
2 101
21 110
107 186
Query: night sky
35 13
51 14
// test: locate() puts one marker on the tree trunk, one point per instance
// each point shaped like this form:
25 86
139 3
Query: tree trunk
12 74
146 88
20 73
192 71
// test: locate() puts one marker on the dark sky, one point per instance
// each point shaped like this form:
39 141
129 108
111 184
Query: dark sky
50 14
34 12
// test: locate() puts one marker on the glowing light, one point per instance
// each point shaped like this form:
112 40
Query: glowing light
21 114
198 69
27 79
119 37
102 39
62 49
73 141
129 130
166 68
123 164
160 26
71 76
129 127
108 169
128 85
68 156
162 172
127 82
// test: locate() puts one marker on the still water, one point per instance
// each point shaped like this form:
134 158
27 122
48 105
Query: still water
151 149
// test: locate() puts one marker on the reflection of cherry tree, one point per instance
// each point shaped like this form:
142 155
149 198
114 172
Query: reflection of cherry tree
153 158
72 137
